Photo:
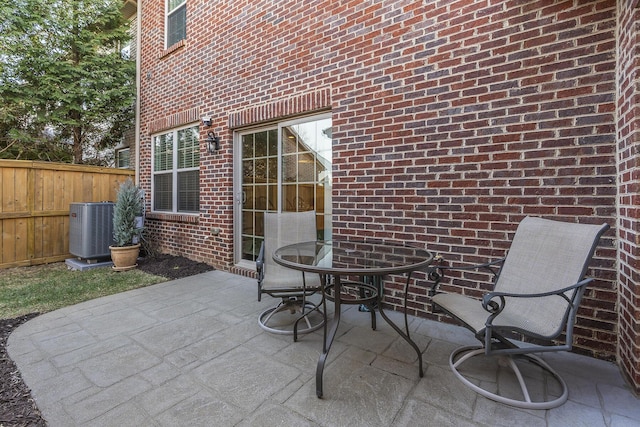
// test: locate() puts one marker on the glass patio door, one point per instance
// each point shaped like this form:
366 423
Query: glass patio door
284 167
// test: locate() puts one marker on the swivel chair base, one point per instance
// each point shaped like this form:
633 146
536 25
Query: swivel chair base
282 318
464 354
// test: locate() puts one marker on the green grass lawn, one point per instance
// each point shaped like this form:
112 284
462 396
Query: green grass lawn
45 288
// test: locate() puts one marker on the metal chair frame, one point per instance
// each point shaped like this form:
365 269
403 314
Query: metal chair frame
498 339
294 292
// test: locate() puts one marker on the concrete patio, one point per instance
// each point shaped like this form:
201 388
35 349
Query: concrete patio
190 352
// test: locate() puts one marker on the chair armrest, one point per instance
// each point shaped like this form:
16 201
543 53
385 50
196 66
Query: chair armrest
435 273
260 263
494 302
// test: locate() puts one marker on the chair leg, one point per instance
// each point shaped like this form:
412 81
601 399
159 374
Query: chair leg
464 354
307 309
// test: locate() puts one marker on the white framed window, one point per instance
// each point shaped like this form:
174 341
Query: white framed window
123 158
175 21
176 171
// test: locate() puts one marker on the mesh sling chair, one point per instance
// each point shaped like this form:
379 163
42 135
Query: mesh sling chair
538 287
292 287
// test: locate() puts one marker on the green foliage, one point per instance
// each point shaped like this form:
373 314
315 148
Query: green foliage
127 207
64 83
49 287
19 144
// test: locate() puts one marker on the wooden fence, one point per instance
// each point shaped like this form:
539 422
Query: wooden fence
34 206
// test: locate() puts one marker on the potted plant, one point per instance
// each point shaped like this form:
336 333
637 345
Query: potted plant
126 226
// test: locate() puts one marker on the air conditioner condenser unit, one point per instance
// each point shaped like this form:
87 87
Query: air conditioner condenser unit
91 229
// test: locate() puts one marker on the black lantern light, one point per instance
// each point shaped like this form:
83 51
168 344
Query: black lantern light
213 142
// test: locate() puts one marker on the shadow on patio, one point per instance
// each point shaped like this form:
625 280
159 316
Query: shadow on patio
190 352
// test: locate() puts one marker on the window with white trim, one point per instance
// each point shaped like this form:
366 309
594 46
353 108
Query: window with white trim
176 171
123 158
176 21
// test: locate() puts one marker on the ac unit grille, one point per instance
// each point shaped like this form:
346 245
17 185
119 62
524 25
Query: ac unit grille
90 229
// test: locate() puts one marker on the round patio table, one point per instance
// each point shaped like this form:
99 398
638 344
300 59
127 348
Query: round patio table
337 260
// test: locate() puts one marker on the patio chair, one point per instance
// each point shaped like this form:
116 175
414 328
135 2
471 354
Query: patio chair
291 286
538 287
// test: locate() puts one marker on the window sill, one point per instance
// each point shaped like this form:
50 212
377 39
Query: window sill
174 217
173 48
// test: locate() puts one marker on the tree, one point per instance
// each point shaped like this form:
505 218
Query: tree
65 87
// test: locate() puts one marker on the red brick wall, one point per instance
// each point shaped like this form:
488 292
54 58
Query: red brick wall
451 120
629 191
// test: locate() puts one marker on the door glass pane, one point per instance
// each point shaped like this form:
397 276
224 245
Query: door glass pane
247 146
259 169
289 168
291 173
306 167
272 142
261 197
247 197
306 170
248 171
261 147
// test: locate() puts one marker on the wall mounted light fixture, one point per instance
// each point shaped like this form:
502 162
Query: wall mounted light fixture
213 142
206 120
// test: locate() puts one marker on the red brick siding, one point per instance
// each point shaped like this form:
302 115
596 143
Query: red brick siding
629 189
304 103
451 120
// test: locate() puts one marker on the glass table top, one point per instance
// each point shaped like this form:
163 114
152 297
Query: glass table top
353 257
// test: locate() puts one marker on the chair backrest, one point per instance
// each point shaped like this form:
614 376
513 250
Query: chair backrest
544 256
281 229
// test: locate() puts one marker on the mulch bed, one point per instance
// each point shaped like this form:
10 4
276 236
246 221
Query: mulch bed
17 407
172 267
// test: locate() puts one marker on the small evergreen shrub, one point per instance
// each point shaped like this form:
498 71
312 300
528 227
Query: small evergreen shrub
127 207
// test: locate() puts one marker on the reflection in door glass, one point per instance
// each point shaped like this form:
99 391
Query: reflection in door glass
290 174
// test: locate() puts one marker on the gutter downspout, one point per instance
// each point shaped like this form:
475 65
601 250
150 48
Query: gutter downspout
138 80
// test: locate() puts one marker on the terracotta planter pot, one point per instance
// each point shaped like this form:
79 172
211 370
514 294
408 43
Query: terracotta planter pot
124 257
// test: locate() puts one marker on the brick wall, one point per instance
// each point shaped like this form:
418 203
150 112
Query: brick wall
629 201
451 121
